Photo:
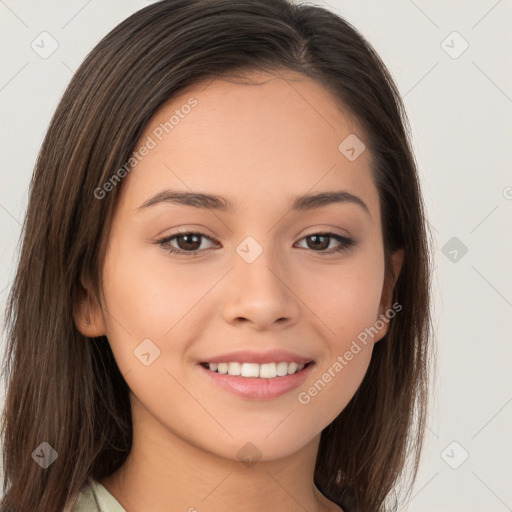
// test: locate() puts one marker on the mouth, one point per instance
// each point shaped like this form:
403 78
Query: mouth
257 376
274 370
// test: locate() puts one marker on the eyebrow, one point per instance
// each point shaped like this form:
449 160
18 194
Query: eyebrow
215 202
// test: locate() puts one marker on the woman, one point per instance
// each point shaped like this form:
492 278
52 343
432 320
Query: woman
278 363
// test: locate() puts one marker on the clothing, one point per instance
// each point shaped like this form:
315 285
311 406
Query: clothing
95 498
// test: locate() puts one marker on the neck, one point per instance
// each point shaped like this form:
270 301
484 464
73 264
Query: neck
164 469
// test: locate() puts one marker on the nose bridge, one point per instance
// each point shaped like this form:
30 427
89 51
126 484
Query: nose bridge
260 293
257 264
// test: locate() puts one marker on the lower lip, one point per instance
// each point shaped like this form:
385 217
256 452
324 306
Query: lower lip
254 388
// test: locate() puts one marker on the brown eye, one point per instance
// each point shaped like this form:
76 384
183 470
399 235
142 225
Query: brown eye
186 242
189 242
319 242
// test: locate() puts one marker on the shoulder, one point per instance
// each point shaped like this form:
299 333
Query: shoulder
93 497
86 501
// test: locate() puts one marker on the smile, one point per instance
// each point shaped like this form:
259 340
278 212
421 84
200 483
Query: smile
255 370
257 381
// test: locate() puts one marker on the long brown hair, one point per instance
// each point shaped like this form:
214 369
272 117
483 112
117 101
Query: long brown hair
66 389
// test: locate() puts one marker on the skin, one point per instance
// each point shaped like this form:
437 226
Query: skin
259 145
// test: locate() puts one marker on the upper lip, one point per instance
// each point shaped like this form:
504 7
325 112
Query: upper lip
251 356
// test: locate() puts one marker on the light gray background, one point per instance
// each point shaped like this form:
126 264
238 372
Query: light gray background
460 111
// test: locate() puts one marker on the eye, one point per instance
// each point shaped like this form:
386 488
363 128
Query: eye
189 243
322 241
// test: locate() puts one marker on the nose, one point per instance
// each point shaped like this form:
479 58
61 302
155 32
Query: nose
261 294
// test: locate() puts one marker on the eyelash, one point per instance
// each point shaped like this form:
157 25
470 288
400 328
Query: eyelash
345 243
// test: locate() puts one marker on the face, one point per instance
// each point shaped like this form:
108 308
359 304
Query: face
258 285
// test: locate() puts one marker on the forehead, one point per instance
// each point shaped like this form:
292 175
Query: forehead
261 136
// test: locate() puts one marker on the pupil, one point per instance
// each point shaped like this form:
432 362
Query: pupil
187 241
323 245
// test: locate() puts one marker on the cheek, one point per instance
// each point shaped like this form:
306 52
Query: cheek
143 295
349 311
346 298
149 298
347 303
141 305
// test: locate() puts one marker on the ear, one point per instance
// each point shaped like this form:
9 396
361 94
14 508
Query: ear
88 315
387 295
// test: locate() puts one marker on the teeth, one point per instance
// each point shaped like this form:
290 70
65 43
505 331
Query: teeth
263 371
234 368
268 371
292 367
250 370
282 369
